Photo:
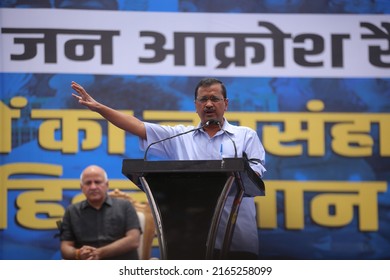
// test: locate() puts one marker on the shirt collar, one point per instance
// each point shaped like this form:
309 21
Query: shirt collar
85 204
226 126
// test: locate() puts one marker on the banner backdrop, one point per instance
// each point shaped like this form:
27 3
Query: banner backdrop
314 85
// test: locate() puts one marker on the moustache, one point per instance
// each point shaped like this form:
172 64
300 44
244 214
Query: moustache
94 192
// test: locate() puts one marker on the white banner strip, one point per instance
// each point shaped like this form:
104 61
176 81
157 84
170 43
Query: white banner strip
178 269
194 44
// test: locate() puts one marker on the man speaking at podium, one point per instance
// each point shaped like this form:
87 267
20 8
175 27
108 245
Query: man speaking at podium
214 138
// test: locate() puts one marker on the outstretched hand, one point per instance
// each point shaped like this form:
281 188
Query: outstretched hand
124 121
83 97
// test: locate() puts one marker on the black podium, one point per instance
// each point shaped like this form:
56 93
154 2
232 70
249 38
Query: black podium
187 198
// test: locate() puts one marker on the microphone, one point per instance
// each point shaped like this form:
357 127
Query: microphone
227 134
213 122
210 122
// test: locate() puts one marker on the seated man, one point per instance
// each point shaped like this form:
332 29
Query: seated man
99 227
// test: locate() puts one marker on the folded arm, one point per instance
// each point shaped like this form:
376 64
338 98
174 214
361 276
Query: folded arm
119 247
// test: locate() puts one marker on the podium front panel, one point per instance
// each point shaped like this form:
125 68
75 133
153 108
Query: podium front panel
186 204
185 196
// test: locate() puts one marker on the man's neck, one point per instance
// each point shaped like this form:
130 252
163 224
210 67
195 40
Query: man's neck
212 130
96 204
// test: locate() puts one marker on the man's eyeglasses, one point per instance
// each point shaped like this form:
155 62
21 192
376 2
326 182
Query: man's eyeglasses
213 99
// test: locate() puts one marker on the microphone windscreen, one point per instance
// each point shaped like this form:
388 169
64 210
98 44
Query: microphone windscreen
212 122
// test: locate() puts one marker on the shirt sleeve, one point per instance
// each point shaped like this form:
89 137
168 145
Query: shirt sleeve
132 221
157 132
66 232
255 152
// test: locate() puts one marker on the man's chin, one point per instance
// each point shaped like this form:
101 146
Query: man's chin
210 116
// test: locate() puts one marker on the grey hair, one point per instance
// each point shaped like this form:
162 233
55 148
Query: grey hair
96 166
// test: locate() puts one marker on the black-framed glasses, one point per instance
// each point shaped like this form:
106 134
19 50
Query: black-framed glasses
213 99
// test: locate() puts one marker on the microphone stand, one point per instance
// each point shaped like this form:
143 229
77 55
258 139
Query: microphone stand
231 222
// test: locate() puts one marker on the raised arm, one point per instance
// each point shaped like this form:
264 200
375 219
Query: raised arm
126 122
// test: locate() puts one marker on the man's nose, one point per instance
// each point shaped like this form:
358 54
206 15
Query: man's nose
209 104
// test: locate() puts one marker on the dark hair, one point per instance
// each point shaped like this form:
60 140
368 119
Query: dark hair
207 82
